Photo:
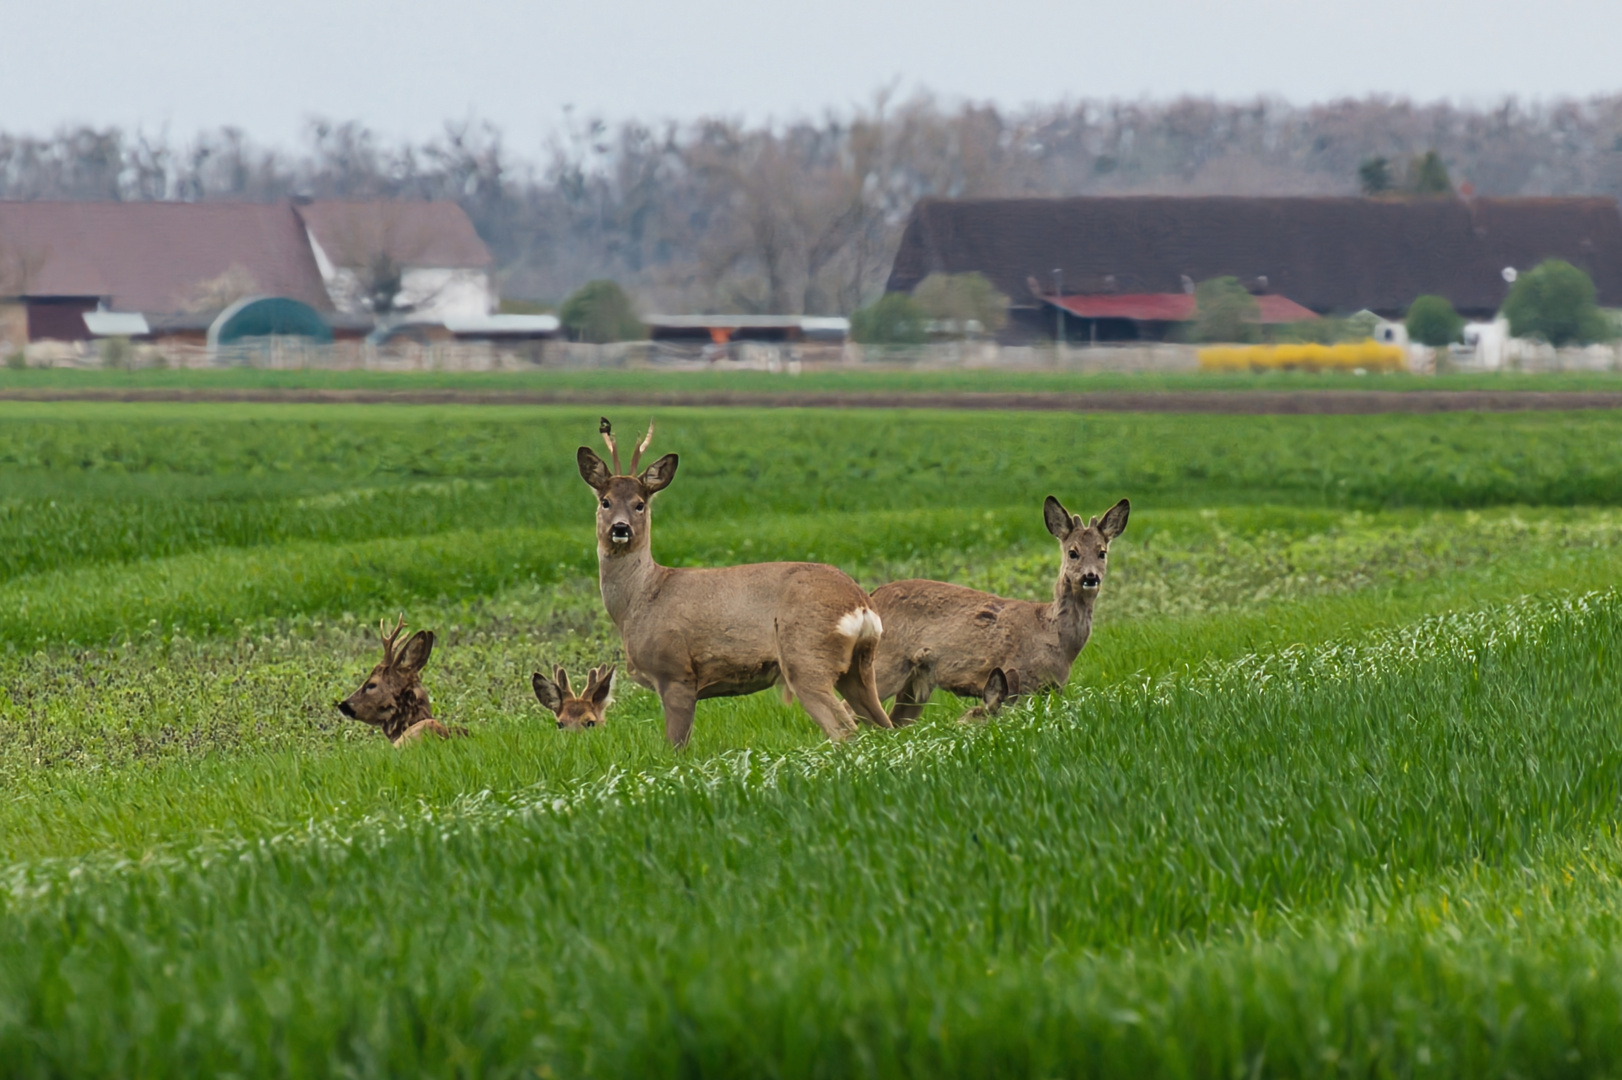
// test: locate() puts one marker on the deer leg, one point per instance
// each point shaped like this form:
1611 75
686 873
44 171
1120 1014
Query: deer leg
680 702
862 696
828 711
911 699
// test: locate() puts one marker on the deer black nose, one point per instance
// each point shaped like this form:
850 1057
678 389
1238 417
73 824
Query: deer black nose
619 531
1091 581
346 708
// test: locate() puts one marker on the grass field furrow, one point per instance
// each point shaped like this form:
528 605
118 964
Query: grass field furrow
1333 789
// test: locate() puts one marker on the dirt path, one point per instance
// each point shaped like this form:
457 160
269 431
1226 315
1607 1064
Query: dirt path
1190 401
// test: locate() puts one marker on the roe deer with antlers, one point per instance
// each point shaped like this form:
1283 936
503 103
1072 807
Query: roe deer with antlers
392 697
576 713
941 635
693 633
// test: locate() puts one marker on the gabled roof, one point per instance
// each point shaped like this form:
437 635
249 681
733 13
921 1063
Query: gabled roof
1329 254
416 234
152 256
1171 307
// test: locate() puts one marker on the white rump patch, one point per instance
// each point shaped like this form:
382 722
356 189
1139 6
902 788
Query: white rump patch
862 624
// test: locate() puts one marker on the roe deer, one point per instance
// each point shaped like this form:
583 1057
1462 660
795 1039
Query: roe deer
693 633
392 697
936 634
997 690
576 713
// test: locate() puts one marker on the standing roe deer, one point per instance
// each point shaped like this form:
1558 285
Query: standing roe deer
936 634
693 633
392 697
575 713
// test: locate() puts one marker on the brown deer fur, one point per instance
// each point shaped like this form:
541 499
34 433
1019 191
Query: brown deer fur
576 713
942 635
693 633
392 698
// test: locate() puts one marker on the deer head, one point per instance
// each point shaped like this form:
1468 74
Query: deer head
392 697
999 688
1083 546
576 713
623 520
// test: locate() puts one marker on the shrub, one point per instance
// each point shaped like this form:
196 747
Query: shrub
959 298
599 311
892 319
1427 175
1555 301
1224 311
116 352
1432 321
17 360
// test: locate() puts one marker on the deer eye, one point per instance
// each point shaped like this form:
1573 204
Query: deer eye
605 504
1103 552
1075 554
371 686
640 507
591 723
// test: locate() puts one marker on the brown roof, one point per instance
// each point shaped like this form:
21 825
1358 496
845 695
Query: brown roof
422 234
151 257
1330 254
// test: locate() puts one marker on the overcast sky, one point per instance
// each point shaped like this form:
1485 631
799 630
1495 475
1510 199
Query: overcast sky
405 66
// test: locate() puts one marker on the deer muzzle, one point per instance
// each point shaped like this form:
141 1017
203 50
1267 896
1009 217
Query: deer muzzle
619 532
345 708
1091 581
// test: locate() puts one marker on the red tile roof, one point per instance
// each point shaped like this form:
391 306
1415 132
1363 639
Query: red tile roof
151 257
1172 307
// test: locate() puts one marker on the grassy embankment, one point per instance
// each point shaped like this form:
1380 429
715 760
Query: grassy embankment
1287 818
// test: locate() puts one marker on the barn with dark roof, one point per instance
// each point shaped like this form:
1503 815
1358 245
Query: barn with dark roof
1327 255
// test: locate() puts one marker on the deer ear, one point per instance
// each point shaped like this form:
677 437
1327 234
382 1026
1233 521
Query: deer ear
416 652
602 687
1056 517
1113 523
658 476
996 689
546 692
593 470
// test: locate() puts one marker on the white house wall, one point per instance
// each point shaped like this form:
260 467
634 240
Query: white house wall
428 293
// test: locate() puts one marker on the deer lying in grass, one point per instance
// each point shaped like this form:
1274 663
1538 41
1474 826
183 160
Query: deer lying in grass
941 635
576 713
693 633
996 691
392 697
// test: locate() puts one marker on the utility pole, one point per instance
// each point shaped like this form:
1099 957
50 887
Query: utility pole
1058 307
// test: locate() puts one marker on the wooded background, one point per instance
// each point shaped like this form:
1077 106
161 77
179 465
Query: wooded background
803 217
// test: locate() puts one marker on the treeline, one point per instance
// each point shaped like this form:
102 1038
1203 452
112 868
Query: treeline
804 216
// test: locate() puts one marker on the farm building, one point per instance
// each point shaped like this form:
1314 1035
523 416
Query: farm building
177 266
1124 267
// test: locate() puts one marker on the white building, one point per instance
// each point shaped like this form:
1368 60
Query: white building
442 266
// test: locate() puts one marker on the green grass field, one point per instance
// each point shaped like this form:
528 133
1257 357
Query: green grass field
876 379
1334 790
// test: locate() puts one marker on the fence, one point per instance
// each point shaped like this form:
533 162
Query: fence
791 358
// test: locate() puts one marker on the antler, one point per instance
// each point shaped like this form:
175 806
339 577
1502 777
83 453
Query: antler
390 636
607 431
636 455
561 677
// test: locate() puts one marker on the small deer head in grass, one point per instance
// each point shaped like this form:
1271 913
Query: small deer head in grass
576 713
392 697
1000 686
